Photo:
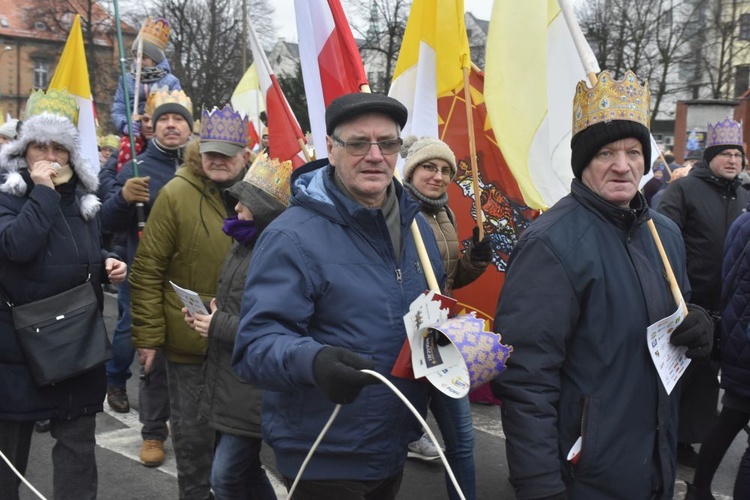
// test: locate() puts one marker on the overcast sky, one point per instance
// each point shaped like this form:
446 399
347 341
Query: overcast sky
285 21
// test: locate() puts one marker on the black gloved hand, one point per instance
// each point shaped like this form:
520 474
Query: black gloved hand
696 332
336 372
481 251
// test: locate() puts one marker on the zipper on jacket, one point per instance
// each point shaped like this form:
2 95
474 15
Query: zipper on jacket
398 276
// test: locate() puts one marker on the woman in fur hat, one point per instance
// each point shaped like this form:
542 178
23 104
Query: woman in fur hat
49 243
428 169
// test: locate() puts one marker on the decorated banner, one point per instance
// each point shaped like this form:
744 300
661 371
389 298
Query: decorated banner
504 212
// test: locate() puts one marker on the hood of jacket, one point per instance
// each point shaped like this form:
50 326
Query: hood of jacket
46 128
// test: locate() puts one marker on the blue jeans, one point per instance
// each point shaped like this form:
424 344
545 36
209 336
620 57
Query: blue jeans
453 417
236 472
118 368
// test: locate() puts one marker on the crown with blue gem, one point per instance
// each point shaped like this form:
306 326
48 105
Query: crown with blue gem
272 176
56 102
610 99
724 133
224 125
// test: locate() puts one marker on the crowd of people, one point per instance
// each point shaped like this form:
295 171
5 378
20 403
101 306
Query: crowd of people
305 277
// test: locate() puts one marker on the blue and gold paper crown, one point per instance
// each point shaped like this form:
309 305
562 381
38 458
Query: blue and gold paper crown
271 176
724 133
56 102
611 99
156 31
224 125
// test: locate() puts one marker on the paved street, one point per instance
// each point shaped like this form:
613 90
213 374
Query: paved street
121 477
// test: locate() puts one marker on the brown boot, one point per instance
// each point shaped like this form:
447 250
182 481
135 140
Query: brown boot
152 452
117 399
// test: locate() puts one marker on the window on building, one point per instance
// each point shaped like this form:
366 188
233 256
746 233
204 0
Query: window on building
745 27
741 79
40 25
4 22
41 74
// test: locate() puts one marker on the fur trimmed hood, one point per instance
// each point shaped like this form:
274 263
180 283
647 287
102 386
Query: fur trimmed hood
47 128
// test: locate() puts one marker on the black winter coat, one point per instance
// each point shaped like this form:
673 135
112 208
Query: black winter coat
45 248
735 340
583 284
704 205
229 404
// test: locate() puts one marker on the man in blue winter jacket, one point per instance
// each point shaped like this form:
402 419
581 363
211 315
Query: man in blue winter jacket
329 283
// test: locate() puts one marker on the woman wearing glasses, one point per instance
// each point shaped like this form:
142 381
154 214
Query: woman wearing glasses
428 169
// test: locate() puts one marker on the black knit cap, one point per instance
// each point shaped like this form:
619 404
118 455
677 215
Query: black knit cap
173 107
586 143
349 106
711 151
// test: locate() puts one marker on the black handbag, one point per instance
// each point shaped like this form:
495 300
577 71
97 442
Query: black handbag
63 335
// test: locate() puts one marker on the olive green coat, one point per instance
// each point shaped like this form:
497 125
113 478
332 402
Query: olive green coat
183 242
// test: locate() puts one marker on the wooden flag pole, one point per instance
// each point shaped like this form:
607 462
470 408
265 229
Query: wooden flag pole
137 87
473 154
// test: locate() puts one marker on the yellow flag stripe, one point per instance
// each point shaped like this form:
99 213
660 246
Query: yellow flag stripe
71 72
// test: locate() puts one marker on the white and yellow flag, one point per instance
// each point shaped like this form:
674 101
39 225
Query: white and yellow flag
531 74
73 74
434 51
248 98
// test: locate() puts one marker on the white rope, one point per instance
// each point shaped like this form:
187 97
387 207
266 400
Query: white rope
408 405
21 476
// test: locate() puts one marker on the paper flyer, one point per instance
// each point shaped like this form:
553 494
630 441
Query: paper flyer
670 360
192 300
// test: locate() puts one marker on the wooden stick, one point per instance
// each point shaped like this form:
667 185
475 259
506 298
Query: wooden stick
474 169
137 87
305 151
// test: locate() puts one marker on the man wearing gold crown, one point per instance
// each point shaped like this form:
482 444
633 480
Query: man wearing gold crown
183 243
173 118
49 243
155 71
583 284
704 204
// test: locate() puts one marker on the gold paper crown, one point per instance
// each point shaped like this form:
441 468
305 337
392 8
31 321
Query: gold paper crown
160 97
56 102
109 141
150 107
271 176
611 99
197 127
156 32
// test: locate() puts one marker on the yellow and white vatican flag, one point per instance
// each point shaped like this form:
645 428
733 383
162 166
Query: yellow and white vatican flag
73 74
433 53
531 74
247 97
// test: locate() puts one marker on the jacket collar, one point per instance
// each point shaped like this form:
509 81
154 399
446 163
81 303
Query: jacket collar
623 218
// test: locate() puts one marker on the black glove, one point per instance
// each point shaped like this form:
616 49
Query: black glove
696 332
481 251
336 372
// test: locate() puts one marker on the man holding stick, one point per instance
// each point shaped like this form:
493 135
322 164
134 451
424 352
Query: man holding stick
584 410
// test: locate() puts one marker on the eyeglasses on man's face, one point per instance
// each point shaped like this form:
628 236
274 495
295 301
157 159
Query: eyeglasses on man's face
728 155
361 148
433 169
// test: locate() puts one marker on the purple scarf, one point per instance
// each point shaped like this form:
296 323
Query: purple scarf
243 231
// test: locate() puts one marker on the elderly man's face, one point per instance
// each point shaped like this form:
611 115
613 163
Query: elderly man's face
367 177
220 168
172 130
616 170
727 164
